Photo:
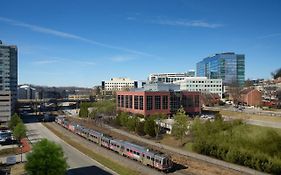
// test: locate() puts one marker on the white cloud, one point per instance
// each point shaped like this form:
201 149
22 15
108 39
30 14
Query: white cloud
186 23
43 62
122 58
57 33
270 36
130 18
85 63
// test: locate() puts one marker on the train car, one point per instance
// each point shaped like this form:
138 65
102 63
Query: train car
95 136
59 120
71 127
78 130
65 123
134 151
85 132
148 158
105 141
162 162
117 146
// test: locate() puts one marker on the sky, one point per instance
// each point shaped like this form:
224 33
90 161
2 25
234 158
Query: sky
82 42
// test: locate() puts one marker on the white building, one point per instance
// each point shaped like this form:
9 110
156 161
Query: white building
118 84
201 84
169 77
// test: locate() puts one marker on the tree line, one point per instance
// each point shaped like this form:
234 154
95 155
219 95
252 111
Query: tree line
95 109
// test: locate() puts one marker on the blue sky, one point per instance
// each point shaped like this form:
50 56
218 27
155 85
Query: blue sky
82 42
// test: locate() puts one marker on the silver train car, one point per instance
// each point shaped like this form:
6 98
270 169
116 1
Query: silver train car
133 151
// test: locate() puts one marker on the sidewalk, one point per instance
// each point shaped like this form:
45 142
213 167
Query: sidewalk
3 160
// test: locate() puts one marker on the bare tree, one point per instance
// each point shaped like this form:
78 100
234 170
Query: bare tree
234 91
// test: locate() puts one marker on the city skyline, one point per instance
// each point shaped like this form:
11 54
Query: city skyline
72 43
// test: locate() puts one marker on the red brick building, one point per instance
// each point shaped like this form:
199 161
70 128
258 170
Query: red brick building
152 102
251 97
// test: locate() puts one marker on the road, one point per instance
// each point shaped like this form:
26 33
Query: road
256 111
78 162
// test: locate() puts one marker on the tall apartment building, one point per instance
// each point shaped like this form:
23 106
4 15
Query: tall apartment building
117 84
8 79
169 77
229 67
201 84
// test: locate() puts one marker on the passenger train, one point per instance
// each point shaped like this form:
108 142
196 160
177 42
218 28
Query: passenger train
136 152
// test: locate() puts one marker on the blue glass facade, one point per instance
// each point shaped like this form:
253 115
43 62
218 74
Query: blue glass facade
230 67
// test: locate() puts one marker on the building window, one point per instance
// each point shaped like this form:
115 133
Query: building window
189 101
148 102
157 102
119 101
196 100
136 102
141 102
130 101
165 102
127 101
122 100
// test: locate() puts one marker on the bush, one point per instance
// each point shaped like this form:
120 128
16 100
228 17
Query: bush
149 127
140 128
131 123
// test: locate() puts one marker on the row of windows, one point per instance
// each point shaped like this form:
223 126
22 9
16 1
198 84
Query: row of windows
205 82
119 83
138 102
210 90
119 86
193 85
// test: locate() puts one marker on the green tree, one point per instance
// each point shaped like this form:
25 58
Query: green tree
46 158
93 114
15 119
180 127
140 128
149 127
276 74
132 123
19 131
159 117
124 118
84 112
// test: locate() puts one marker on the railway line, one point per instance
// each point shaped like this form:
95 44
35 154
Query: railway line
196 163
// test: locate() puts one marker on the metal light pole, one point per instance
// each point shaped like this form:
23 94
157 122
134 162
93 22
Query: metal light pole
21 153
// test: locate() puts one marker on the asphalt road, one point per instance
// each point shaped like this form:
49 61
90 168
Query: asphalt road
78 162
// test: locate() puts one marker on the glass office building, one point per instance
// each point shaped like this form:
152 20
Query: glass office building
229 67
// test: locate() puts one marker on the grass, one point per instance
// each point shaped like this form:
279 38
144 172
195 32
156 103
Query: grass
244 116
101 159
7 151
18 169
253 131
